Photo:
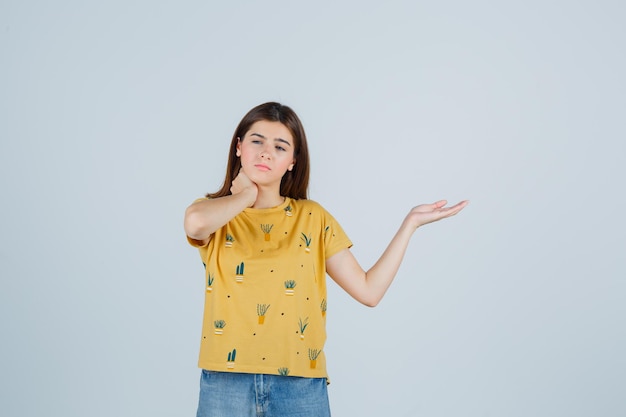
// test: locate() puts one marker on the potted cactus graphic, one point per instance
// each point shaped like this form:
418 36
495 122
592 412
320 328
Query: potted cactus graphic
307 241
313 354
219 326
323 307
230 364
267 228
283 371
289 287
229 240
239 273
288 211
303 325
209 282
261 309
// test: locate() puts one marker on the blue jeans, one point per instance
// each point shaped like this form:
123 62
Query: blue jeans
227 394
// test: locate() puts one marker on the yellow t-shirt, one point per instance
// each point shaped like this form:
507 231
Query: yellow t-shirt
265 298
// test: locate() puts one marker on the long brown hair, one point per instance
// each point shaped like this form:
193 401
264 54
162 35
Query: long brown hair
295 183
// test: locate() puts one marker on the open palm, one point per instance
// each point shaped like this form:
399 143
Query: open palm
428 213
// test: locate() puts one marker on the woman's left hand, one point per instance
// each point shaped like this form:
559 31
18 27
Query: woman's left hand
428 213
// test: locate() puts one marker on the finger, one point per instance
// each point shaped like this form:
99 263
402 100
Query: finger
461 204
432 206
451 211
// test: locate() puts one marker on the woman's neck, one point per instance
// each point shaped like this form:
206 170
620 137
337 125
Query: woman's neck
268 199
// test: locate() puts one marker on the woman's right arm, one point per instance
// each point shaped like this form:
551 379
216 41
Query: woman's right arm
203 218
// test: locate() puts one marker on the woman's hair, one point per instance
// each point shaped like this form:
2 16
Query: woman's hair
295 183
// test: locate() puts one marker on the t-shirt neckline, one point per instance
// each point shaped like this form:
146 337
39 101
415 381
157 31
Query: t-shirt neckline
277 208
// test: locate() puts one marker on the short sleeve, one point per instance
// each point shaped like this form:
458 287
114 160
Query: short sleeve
193 242
335 239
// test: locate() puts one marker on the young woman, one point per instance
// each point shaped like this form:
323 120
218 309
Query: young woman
266 250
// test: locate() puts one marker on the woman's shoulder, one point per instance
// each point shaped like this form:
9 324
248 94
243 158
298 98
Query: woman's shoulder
307 204
310 207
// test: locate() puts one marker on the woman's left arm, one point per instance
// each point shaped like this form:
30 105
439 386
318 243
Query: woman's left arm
369 287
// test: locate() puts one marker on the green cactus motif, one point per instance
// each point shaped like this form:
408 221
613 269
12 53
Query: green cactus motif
261 310
209 282
303 325
307 241
289 287
288 211
324 307
239 273
230 364
283 371
229 240
267 228
219 326
313 355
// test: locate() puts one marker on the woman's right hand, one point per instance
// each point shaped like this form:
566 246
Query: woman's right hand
242 184
205 216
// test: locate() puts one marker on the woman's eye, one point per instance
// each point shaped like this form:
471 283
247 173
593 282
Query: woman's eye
256 141
280 148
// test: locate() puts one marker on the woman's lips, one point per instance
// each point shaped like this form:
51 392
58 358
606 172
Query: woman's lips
262 167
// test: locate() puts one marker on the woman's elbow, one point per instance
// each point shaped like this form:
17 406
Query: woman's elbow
369 301
195 224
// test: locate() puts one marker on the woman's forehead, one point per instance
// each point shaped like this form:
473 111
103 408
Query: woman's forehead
270 130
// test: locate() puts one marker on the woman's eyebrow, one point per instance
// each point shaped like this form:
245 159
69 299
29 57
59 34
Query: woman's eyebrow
286 142
283 141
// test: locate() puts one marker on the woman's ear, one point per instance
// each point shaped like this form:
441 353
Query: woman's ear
238 153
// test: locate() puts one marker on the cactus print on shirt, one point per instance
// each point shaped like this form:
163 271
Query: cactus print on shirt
265 298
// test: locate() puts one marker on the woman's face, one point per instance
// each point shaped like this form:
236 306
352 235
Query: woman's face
266 152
